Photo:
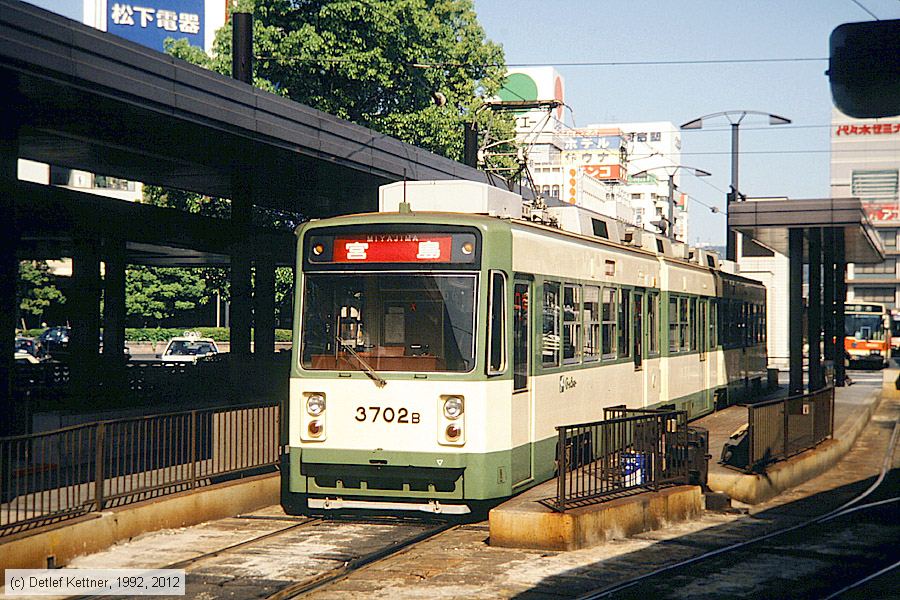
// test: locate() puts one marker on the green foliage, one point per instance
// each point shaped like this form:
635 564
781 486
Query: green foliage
156 293
36 291
378 63
162 334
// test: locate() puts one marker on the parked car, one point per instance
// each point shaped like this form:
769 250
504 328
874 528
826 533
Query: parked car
189 347
28 346
54 339
26 351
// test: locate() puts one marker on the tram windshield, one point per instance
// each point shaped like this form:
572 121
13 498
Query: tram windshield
393 322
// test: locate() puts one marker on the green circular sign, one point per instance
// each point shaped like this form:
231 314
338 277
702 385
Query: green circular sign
518 86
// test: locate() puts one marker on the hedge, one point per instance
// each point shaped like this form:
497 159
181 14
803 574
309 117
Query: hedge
161 334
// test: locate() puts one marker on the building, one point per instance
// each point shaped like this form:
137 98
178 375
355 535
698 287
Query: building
595 166
865 160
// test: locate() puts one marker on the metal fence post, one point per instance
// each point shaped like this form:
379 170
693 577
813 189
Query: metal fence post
193 434
561 468
98 465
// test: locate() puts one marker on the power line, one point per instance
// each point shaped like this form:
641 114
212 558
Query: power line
612 63
859 4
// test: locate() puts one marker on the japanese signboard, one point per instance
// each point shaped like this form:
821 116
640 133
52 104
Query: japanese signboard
393 249
150 22
868 129
881 212
605 172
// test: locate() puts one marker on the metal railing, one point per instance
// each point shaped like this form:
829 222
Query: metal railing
57 475
786 426
629 449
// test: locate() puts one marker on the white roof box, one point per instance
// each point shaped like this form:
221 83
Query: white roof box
452 195
586 222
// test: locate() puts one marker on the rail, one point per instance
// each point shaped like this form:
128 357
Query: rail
61 474
627 450
783 427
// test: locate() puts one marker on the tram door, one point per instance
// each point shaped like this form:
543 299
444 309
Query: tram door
522 399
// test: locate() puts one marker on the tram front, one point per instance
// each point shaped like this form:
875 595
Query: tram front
387 407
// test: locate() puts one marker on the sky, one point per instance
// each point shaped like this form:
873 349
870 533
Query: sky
787 160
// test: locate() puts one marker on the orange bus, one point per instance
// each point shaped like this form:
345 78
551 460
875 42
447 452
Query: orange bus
867 334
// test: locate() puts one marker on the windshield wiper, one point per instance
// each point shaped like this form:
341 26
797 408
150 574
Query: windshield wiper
366 367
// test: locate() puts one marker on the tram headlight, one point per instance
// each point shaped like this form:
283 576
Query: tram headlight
314 428
318 249
453 407
315 404
467 248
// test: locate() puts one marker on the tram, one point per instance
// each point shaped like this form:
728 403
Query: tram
436 352
867 334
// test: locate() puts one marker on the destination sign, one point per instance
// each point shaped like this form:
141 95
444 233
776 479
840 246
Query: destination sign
393 248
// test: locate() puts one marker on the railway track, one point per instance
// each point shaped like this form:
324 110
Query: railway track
635 587
235 567
301 588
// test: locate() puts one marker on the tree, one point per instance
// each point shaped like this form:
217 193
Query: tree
157 293
379 63
36 290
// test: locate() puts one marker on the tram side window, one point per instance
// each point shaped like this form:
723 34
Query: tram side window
571 323
694 322
520 337
673 324
713 320
684 324
497 362
591 322
653 323
625 325
550 337
609 322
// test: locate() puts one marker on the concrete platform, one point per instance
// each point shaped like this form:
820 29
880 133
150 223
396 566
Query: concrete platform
523 522
853 405
60 543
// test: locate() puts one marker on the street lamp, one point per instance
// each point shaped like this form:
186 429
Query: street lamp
670 171
734 117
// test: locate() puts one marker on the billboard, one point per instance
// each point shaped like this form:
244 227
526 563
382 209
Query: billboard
150 22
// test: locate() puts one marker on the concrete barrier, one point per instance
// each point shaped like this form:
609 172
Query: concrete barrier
783 475
524 523
62 542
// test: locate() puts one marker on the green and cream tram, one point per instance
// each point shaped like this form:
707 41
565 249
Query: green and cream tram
437 351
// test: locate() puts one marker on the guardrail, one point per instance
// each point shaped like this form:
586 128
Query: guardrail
780 428
61 474
627 450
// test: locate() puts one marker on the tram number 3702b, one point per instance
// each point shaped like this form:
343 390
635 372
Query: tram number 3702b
388 415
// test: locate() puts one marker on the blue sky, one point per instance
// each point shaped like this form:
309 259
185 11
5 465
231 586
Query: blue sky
578 31
788 160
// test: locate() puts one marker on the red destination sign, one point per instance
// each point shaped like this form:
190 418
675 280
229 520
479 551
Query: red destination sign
393 248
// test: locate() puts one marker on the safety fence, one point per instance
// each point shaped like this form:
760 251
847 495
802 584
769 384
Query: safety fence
627 450
61 474
783 427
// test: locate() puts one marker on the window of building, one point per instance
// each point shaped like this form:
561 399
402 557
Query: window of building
888 237
554 191
637 196
591 322
888 267
874 294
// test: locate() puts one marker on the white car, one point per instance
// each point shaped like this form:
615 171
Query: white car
189 347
